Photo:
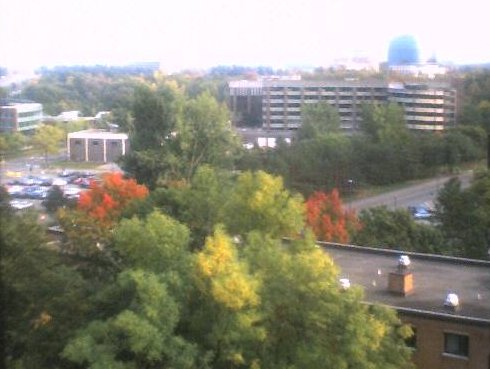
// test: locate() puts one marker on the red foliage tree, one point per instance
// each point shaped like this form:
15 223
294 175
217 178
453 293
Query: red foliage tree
106 200
328 219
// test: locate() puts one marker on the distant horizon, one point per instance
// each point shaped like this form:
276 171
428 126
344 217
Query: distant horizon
198 35
303 68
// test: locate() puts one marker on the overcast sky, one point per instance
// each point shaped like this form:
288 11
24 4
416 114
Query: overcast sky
203 33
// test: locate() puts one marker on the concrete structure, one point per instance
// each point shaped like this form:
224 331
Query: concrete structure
97 146
428 106
19 116
283 100
68 116
446 301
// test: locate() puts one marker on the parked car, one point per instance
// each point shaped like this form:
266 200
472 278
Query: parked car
35 192
59 182
45 181
21 204
71 192
421 212
82 182
26 181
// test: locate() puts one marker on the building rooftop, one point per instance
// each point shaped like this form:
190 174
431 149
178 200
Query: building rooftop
97 134
434 277
374 83
350 83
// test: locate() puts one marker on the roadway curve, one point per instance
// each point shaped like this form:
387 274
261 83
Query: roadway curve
425 192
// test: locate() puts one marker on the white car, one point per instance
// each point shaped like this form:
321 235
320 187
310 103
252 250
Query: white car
21 204
71 192
59 182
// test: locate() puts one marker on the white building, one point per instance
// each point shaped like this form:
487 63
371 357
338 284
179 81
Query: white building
20 116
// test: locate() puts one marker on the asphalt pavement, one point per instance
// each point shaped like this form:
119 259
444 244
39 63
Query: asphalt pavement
412 195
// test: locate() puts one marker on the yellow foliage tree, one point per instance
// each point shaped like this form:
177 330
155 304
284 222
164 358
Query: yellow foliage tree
223 276
260 202
230 302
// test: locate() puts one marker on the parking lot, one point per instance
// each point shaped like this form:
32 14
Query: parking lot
30 190
28 181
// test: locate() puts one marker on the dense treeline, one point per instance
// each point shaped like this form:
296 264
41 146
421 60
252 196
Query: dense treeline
474 91
93 89
384 152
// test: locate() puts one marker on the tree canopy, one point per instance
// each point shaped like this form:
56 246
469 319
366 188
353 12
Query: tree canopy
318 119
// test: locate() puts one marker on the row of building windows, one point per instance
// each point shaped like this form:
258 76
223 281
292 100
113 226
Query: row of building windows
416 96
332 89
422 105
29 123
340 103
29 114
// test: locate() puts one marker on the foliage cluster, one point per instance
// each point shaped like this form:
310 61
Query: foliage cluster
240 299
194 274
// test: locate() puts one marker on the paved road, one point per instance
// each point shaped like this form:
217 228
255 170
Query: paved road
27 165
425 192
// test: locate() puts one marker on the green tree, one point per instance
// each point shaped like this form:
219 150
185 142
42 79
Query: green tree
318 119
139 314
11 143
141 335
322 163
464 216
44 300
157 244
55 199
155 117
205 136
200 203
310 321
48 139
384 123
384 228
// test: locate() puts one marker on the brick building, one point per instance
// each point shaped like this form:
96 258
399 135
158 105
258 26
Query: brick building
97 146
446 301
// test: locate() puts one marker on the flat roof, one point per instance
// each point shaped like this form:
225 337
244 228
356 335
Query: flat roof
94 134
434 277
350 83
346 82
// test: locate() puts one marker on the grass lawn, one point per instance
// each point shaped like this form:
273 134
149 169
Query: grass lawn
66 164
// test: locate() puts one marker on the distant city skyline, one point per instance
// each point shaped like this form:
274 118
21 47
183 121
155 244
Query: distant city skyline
200 34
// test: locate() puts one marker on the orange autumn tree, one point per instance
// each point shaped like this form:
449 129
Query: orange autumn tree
327 218
105 201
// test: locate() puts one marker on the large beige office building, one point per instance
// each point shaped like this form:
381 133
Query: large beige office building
427 106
